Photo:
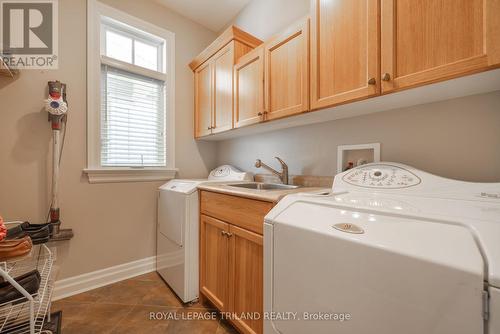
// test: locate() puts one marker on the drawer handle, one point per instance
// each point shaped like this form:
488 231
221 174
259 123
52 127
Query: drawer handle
227 234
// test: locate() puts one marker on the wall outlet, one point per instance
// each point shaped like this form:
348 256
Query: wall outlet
357 155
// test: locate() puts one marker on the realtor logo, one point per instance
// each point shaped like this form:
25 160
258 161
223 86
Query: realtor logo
29 34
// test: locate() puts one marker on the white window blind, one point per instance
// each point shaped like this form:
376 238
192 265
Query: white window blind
132 119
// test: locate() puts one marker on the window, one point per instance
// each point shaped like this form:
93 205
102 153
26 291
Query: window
132 119
130 98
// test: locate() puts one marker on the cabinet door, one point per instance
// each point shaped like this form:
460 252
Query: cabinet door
203 82
249 89
214 260
430 40
246 278
344 51
223 90
287 72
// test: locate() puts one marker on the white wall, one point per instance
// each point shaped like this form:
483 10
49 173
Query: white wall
113 223
456 138
194 159
263 18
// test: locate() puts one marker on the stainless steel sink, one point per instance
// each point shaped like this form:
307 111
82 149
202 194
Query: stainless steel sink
263 186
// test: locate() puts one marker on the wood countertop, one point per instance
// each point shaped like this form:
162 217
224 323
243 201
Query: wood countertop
273 196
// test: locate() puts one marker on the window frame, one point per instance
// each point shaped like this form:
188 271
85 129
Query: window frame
95 172
128 32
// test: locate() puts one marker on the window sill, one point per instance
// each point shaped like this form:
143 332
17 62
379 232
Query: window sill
104 175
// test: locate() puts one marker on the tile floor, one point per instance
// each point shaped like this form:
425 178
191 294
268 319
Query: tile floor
125 307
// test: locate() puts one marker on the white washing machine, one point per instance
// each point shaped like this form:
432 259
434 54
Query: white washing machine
393 250
178 230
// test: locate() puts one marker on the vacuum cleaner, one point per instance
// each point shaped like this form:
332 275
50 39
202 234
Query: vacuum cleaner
57 107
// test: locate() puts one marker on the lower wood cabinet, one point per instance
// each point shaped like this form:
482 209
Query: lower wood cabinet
214 261
231 258
246 278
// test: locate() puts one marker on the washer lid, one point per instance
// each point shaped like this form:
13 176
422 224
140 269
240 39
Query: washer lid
396 274
481 219
445 244
181 186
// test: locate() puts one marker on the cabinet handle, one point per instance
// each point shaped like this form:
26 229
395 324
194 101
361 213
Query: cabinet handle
386 77
372 81
209 128
223 232
260 114
229 234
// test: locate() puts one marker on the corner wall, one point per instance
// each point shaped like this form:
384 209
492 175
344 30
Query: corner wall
457 138
114 223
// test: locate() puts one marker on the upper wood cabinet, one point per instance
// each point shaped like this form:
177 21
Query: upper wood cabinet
347 51
223 62
287 72
432 40
213 76
344 51
249 88
203 104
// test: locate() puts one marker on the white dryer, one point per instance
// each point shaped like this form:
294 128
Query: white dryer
392 250
178 232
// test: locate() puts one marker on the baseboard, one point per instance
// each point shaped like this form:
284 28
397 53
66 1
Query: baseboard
96 279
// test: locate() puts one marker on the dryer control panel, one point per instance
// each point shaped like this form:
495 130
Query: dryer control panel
381 176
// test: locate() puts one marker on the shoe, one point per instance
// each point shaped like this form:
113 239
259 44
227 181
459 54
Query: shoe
51 225
39 233
29 226
3 229
20 277
14 232
30 282
10 249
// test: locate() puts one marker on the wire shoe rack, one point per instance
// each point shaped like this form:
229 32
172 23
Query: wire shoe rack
28 313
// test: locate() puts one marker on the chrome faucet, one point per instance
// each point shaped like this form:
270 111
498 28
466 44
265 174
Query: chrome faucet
284 169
